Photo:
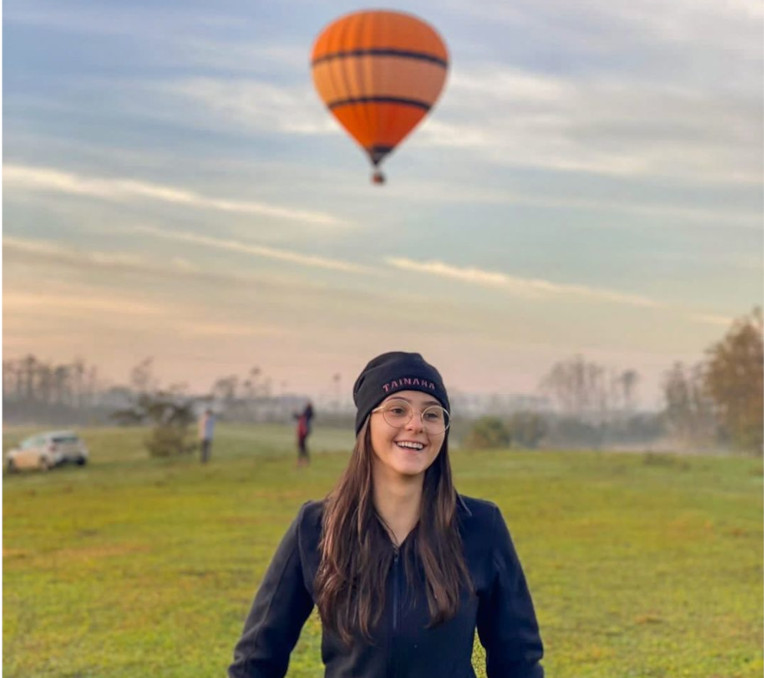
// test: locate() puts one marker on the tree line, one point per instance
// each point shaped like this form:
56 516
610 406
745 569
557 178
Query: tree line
716 401
73 392
35 381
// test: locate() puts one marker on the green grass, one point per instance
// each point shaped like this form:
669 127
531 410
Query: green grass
640 565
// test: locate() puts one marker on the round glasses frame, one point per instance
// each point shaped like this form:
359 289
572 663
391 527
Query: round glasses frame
428 426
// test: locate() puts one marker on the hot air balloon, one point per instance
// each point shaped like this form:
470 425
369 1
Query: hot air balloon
379 72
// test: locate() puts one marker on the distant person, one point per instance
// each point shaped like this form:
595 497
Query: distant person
402 568
304 420
206 433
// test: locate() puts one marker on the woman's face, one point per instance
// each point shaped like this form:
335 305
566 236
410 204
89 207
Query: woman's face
407 450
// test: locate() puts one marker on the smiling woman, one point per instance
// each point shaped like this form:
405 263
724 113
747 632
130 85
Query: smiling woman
403 569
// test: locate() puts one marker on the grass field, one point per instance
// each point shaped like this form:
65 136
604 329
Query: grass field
640 565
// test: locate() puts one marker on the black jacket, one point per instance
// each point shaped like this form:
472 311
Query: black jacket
501 609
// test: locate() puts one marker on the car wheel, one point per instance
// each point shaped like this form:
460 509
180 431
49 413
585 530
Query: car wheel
44 464
81 461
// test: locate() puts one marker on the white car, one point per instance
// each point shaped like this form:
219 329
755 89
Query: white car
47 450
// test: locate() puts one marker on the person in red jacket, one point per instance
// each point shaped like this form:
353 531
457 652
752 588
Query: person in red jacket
304 420
402 568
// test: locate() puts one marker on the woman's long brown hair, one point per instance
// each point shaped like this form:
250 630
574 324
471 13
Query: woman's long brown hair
356 553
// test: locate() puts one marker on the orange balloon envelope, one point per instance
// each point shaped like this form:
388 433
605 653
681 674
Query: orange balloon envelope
379 73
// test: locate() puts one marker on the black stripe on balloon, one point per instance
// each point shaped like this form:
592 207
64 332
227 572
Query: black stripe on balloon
376 153
378 51
380 100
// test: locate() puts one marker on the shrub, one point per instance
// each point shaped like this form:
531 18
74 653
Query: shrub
171 416
488 432
169 441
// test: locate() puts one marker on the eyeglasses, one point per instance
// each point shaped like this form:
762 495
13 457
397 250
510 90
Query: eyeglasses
398 413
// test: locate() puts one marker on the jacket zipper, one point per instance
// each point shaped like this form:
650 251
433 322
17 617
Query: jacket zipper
392 665
395 590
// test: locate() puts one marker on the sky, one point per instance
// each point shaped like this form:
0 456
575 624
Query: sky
589 183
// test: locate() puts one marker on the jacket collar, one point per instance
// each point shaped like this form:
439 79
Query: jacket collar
461 504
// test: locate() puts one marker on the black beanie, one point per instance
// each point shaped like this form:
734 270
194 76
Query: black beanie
392 372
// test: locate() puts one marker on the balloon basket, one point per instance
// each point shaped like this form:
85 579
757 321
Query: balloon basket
377 178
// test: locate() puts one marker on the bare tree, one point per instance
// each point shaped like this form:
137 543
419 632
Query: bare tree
142 376
78 378
629 380
29 371
337 380
226 389
45 392
9 379
689 413
251 387
579 388
61 384
91 387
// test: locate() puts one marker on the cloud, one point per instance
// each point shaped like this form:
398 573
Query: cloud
536 288
94 265
48 253
280 59
256 250
662 214
29 252
150 23
47 248
709 319
640 88
629 125
257 105
73 304
707 26
225 329
21 177
606 124
520 287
